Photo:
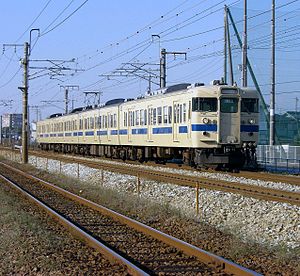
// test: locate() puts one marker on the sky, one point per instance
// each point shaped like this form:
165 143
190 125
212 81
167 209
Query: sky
95 40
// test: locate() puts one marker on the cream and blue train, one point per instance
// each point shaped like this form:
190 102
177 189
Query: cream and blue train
201 125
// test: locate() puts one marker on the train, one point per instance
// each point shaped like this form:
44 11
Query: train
200 125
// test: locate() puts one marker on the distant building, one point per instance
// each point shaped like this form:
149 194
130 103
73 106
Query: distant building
11 128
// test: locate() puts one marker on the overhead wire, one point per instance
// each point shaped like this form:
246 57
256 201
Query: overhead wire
36 18
64 20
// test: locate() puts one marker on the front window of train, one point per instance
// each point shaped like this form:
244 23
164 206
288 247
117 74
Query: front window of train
250 105
229 105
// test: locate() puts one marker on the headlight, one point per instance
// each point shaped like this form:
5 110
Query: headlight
251 121
205 120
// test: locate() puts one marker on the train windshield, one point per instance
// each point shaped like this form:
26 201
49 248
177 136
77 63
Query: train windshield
205 104
229 105
249 105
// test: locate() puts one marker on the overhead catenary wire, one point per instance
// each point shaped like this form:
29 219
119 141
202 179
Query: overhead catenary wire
36 18
136 51
64 20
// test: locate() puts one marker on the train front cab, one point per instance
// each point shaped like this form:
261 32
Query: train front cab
216 128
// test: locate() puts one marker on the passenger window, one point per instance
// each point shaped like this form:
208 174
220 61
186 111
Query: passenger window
204 104
115 120
170 115
180 113
145 119
137 117
141 117
154 116
150 116
159 115
92 122
165 114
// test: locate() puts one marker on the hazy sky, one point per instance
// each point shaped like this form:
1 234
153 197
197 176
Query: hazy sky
102 36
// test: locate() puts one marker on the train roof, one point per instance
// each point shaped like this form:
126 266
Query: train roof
181 87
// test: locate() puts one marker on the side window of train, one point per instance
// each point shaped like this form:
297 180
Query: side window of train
145 117
175 112
249 105
150 116
137 117
154 116
170 115
159 115
115 120
142 117
184 112
124 119
133 118
165 110
204 104
91 122
180 113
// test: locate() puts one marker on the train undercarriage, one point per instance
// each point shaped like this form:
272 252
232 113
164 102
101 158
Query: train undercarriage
217 158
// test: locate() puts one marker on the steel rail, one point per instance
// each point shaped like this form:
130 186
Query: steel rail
79 233
292 180
210 259
254 191
265 176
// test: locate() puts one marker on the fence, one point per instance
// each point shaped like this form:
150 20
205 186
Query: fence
281 158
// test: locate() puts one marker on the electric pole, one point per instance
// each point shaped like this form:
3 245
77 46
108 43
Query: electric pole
163 65
272 96
24 90
225 43
244 55
67 88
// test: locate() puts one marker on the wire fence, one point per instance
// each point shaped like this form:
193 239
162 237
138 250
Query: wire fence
279 158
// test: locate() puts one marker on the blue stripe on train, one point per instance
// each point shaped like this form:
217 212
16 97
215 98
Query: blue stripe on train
183 129
249 128
101 132
204 127
139 131
123 132
162 130
89 133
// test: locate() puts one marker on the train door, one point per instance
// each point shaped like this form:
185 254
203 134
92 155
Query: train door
175 125
229 120
150 122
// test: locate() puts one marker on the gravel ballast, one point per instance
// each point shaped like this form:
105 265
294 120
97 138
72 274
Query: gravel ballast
265 222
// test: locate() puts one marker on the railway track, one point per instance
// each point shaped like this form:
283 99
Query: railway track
263 193
264 176
141 248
